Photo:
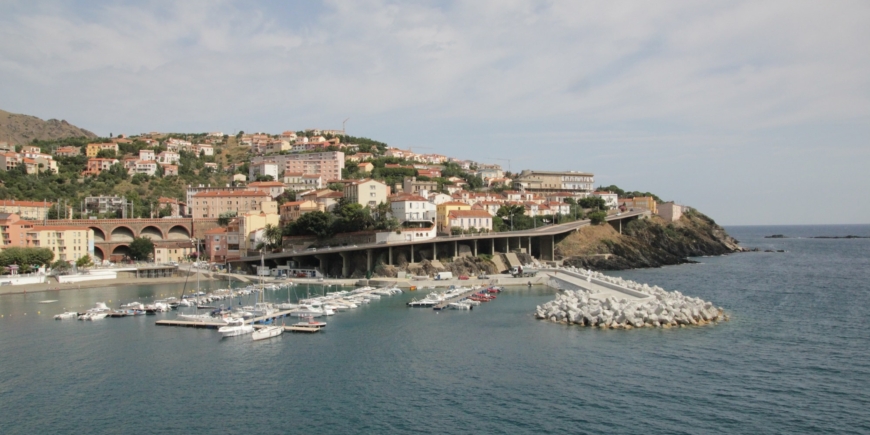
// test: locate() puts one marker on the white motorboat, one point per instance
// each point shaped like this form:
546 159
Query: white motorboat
97 316
267 332
208 318
459 306
307 311
236 327
66 316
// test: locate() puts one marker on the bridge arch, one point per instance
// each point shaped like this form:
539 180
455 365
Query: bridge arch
152 232
121 252
99 255
178 232
99 234
122 234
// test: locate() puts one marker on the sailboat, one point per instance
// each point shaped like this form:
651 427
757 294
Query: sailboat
267 331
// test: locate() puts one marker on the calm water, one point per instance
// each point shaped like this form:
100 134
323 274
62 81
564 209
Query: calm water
794 359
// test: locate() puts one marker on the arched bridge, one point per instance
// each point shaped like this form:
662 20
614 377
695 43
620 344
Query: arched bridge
112 237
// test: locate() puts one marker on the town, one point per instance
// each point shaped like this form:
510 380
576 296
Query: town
217 198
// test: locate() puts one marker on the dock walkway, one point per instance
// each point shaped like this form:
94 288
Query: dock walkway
443 304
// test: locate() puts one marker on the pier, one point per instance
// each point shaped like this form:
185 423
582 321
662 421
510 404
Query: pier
443 304
258 322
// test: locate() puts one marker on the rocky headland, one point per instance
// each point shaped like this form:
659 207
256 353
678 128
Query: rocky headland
22 129
651 242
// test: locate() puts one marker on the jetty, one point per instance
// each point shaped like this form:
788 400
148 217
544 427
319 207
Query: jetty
443 304
258 322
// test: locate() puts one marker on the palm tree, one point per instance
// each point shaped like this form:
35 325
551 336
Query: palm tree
273 235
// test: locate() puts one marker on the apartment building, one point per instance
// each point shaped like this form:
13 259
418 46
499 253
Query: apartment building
215 203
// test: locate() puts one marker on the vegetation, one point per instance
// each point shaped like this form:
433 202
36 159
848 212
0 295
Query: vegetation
627 194
26 258
597 217
84 262
141 248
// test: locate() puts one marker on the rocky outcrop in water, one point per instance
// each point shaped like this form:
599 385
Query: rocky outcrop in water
662 309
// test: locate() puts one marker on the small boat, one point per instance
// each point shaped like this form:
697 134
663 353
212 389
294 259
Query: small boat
97 316
66 316
267 332
460 306
310 323
236 327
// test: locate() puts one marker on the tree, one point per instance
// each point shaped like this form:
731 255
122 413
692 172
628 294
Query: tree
106 154
26 257
262 177
61 267
225 218
316 223
84 262
141 248
598 217
273 236
595 202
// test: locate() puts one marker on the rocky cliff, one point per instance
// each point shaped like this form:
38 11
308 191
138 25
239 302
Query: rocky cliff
22 129
649 242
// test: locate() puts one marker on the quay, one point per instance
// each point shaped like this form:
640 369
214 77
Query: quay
258 322
443 304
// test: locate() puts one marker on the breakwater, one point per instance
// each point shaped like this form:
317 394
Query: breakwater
635 305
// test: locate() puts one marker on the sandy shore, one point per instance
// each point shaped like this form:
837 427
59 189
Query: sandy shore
51 284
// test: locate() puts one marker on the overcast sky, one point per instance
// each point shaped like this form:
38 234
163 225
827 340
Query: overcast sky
754 112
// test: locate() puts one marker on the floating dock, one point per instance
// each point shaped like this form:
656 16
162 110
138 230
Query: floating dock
443 304
256 321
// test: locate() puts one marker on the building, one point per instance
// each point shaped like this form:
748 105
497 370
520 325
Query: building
168 157
147 167
611 200
478 220
639 202
549 181
176 207
222 243
271 169
407 207
97 165
327 164
251 225
31 210
67 151
147 155
273 188
670 211
290 211
66 242
368 192
105 204
169 169
92 149
325 199
193 190
203 150
413 186
215 203
444 209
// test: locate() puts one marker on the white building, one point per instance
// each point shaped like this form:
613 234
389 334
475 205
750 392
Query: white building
409 207
264 168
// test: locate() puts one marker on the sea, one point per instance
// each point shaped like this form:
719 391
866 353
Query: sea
794 358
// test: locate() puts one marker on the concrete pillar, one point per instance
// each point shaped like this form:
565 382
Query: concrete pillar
547 246
368 260
475 247
434 251
324 263
455 248
345 264
412 253
390 256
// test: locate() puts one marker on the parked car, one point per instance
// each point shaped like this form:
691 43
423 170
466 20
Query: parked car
482 276
463 276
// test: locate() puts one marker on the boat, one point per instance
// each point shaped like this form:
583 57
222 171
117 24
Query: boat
310 323
66 316
236 327
97 316
460 306
267 332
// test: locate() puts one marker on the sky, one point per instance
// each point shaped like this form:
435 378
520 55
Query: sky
755 113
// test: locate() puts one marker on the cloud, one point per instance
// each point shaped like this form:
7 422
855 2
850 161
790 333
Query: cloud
614 79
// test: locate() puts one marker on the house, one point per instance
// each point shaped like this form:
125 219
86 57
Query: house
211 165
326 199
147 155
418 187
549 181
92 149
611 200
202 149
290 211
478 220
409 207
444 209
9 160
368 192
359 157
169 157
366 167
97 165
147 167
68 151
169 169
176 207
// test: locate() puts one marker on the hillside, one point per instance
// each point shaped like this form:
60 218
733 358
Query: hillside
19 129
646 243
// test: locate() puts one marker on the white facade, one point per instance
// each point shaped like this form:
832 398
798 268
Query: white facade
264 168
413 209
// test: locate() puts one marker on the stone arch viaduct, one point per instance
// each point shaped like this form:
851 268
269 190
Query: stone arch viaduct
112 237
